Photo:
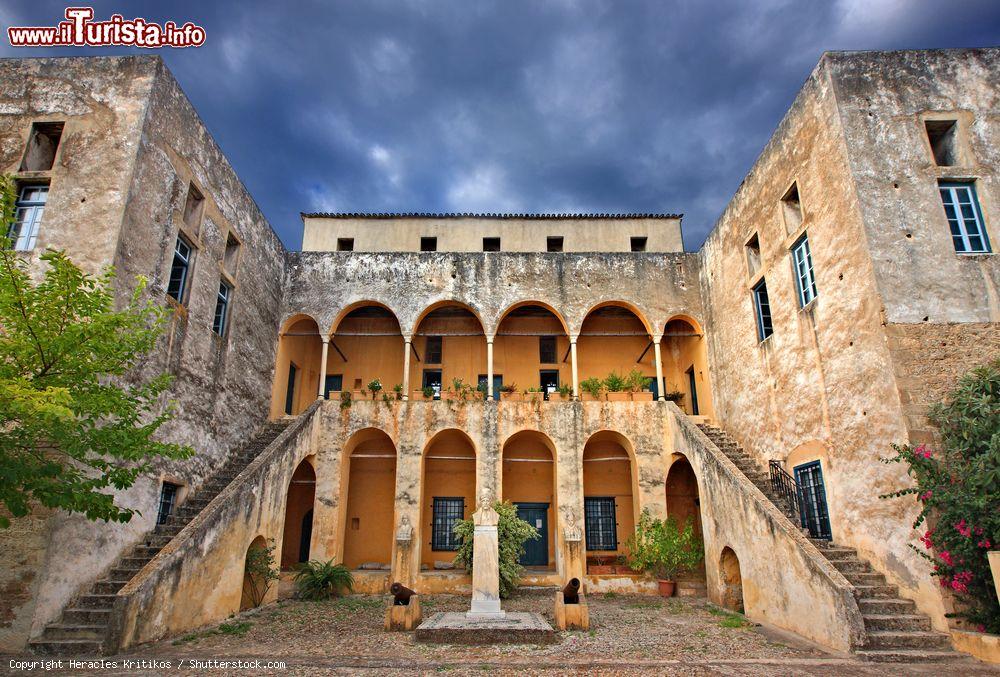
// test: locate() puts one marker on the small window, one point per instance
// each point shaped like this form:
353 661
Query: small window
762 309
548 381
432 350
168 499
333 383
753 255
965 219
791 209
28 210
638 244
554 243
802 267
942 135
447 512
222 309
600 523
432 380
547 349
231 257
491 244
293 373
193 207
40 154
428 244
345 244
180 270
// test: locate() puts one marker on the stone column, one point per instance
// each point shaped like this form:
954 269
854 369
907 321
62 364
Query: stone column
576 373
322 367
485 563
489 368
659 368
407 347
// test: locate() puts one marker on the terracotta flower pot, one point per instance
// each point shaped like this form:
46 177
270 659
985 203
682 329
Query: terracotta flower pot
666 588
619 397
642 396
588 397
510 397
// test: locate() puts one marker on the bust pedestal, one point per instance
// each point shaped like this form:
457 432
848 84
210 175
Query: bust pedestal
485 566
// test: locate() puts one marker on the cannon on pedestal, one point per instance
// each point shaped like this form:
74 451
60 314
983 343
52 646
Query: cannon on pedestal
571 610
403 612
571 591
401 594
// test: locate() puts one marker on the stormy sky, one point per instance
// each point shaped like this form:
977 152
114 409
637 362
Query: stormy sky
510 106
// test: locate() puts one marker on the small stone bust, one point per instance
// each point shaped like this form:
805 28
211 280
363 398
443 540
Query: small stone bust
405 532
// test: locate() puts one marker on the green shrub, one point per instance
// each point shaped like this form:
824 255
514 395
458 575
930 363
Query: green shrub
374 386
592 386
663 548
321 580
958 487
674 396
260 571
512 534
616 383
636 381
345 399
428 392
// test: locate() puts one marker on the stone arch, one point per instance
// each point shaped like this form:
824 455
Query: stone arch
297 366
299 502
528 477
366 343
684 351
252 586
531 348
730 580
531 302
448 487
610 478
458 330
615 336
368 494
619 303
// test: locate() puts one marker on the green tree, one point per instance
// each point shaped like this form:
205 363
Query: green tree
512 533
958 489
71 424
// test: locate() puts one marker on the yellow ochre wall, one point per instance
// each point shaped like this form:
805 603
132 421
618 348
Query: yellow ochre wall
299 343
371 491
378 355
600 355
301 493
528 477
516 356
449 470
678 354
610 478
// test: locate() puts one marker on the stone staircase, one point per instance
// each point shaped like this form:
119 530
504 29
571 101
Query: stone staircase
84 624
897 632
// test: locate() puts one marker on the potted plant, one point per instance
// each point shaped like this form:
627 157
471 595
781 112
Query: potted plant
563 394
674 396
664 549
345 399
483 391
425 393
638 384
592 388
617 387
374 387
398 390
533 394
509 393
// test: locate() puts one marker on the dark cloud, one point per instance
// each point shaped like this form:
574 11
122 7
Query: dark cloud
558 105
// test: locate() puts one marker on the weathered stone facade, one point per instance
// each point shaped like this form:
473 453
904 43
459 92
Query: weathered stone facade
898 315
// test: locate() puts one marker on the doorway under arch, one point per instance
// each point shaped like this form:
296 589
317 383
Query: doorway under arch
448 494
296 367
732 580
370 469
297 533
528 481
254 588
610 494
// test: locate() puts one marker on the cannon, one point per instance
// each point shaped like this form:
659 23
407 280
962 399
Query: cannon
571 591
401 594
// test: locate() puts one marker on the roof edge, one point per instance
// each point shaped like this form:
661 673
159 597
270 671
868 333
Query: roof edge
478 215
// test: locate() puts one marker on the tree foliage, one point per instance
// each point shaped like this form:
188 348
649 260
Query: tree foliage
958 489
663 547
70 425
260 572
512 533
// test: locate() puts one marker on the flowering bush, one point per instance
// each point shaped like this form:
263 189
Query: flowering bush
958 488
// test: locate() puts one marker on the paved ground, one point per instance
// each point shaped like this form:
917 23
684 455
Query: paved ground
629 635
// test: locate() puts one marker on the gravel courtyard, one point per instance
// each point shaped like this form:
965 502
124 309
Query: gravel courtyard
628 635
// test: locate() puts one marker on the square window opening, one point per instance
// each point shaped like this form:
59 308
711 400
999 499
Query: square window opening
791 208
193 207
221 319
554 243
762 310
28 211
428 244
753 255
231 257
345 244
491 244
180 270
943 138
638 244
40 153
168 500
802 271
547 349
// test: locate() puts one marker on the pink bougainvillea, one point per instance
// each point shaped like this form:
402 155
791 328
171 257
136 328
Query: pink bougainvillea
964 528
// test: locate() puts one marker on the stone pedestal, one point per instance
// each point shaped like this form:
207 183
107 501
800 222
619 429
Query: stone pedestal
485 566
403 617
571 616
575 555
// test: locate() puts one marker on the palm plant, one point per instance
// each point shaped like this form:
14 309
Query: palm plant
318 580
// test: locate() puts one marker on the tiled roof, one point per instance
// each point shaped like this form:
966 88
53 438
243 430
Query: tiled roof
455 215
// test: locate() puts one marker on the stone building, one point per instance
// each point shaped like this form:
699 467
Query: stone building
845 286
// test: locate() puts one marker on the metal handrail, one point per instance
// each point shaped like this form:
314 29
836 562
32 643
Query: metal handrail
785 486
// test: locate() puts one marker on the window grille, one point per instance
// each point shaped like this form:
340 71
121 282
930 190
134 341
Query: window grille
432 350
600 523
547 349
447 512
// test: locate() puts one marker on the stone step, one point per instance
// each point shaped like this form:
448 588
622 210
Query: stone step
96 601
895 639
834 553
108 587
877 622
70 631
85 616
855 566
864 592
122 574
66 647
886 606
868 578
904 656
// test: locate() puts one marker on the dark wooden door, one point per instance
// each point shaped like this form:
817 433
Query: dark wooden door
536 552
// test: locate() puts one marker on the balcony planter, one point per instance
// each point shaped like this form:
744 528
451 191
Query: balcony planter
510 397
557 397
418 395
533 397
359 395
588 397
642 396
619 396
